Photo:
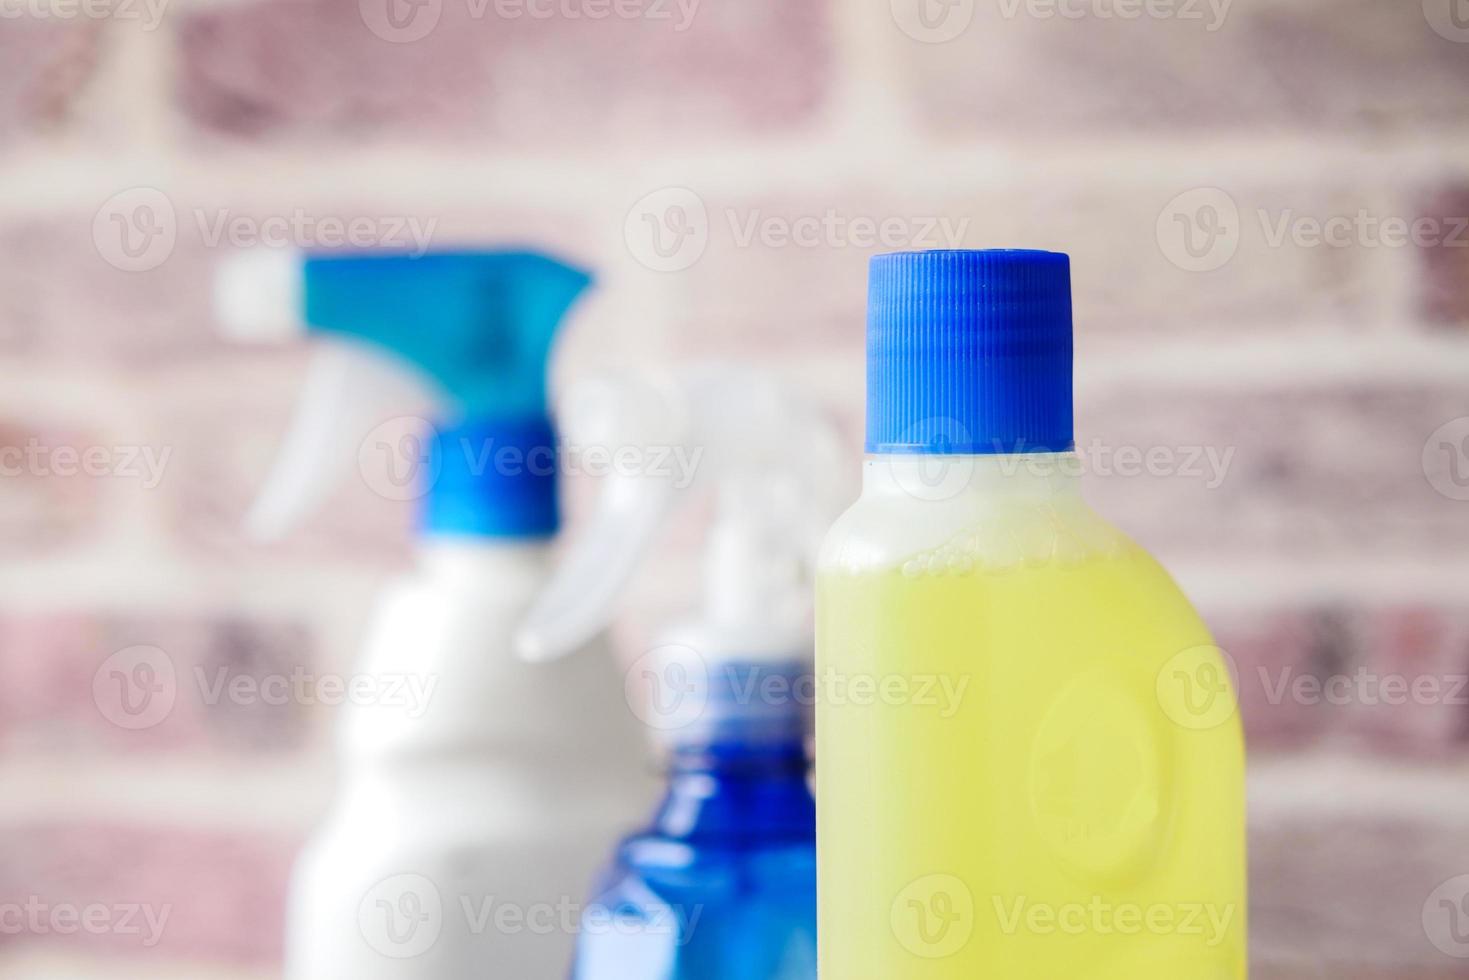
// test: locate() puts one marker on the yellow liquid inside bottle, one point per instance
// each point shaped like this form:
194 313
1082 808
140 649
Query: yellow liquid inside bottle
1026 771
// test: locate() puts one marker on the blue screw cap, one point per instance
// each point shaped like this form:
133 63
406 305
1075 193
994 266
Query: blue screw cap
969 352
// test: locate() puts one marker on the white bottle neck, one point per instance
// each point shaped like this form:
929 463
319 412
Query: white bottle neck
934 478
470 560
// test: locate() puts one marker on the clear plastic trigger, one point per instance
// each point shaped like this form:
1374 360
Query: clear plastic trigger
581 597
350 390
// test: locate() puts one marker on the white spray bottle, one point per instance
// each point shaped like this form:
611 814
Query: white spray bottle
463 828
720 884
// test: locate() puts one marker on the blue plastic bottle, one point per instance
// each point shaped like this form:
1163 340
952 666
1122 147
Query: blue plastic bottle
721 885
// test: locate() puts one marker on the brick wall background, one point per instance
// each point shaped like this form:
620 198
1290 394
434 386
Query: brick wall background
1266 203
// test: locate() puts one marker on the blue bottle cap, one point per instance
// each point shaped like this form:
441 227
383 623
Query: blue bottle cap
494 478
969 352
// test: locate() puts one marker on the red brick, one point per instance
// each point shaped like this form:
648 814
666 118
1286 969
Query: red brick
1444 265
1318 471
66 681
44 64
61 299
228 433
49 503
1391 678
1268 650
1416 664
69 292
222 892
1320 64
765 296
1344 893
314 67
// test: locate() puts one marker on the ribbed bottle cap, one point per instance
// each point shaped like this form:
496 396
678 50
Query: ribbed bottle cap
969 352
494 478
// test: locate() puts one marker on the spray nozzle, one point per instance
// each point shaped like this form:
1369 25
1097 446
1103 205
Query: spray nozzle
467 334
772 466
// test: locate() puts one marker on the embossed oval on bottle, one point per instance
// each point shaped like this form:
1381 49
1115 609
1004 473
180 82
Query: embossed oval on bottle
1097 783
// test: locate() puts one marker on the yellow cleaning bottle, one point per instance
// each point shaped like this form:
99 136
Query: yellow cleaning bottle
1029 762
